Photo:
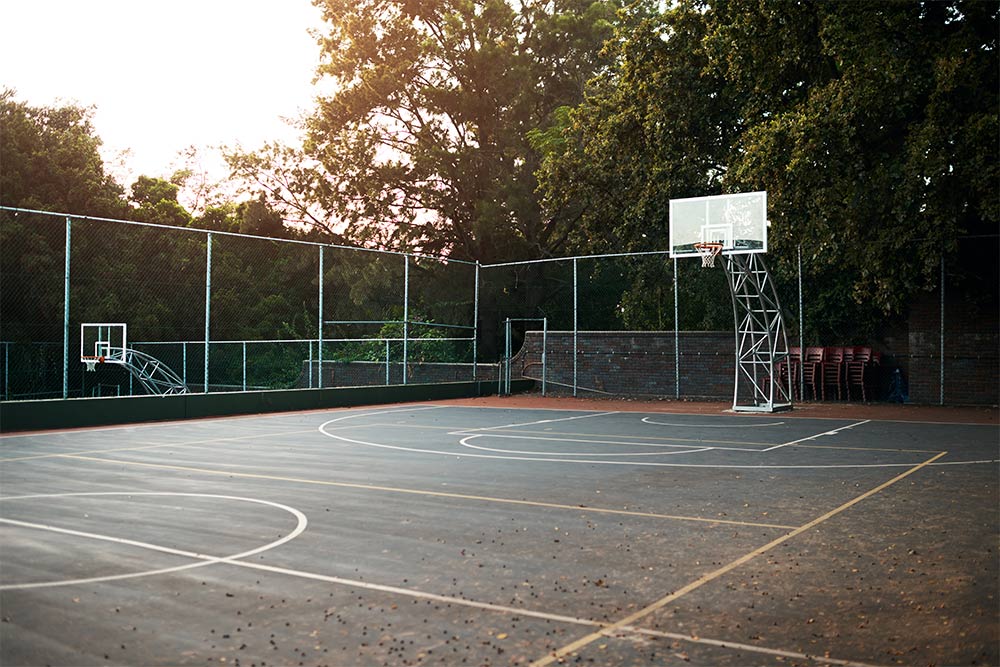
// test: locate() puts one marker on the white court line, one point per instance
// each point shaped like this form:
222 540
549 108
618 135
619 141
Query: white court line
467 431
650 421
514 436
818 435
658 464
745 647
518 611
202 559
379 413
465 443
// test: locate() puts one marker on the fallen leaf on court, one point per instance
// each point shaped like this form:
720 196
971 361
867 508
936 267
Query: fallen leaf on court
502 635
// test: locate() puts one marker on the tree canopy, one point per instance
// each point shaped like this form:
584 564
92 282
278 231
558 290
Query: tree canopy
425 143
51 160
873 127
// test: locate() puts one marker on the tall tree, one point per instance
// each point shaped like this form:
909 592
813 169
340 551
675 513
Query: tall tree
425 144
873 127
655 126
50 160
155 201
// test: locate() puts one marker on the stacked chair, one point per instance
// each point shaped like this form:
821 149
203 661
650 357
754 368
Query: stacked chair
833 369
860 369
812 370
846 370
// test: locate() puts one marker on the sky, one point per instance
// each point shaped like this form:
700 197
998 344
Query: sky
165 75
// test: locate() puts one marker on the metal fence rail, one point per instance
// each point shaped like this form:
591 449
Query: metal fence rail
232 312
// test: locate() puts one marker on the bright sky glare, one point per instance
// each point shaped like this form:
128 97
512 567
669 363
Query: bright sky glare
165 75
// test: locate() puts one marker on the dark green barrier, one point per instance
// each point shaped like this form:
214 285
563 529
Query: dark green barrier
77 412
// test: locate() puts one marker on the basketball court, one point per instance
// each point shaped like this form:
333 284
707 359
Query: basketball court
450 533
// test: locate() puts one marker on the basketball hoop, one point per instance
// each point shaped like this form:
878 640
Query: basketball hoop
92 362
708 252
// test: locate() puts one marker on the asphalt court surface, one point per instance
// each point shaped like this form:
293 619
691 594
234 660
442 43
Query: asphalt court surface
436 534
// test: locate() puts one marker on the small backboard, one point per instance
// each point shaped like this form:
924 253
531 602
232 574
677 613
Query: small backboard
738 222
103 342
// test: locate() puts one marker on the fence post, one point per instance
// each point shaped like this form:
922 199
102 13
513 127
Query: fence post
208 302
406 311
475 327
69 224
575 307
802 344
388 378
244 365
941 387
677 340
507 351
319 342
545 340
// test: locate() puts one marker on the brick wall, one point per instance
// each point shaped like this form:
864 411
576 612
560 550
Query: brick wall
642 363
637 363
971 352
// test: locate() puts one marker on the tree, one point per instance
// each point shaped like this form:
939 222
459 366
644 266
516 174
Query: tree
259 219
425 143
51 160
873 127
155 201
655 126
879 145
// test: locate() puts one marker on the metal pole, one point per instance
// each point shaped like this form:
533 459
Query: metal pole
475 327
406 311
69 224
387 367
184 363
941 390
319 342
208 302
310 364
677 340
244 365
545 339
575 307
508 347
802 343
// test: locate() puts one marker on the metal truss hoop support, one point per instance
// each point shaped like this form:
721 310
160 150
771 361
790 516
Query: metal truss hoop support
761 341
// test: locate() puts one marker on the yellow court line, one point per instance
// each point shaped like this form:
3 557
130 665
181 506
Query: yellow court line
433 494
189 443
711 576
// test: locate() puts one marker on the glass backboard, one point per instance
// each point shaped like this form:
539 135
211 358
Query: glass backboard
738 222
103 341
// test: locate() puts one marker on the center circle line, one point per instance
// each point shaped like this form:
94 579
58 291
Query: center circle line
202 559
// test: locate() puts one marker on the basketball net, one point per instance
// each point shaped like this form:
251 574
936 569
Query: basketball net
708 252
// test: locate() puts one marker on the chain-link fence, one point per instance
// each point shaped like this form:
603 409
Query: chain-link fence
645 325
229 312
222 311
